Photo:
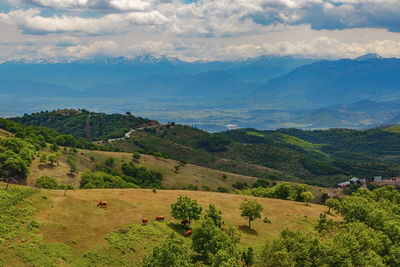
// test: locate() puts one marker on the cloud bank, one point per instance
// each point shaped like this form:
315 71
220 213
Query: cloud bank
211 21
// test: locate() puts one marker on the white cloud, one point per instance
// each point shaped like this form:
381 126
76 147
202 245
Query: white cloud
31 22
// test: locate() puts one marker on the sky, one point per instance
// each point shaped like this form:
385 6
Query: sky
198 30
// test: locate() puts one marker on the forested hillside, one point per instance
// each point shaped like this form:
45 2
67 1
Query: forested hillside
319 157
84 124
277 155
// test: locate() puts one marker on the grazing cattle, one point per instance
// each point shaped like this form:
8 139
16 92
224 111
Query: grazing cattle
145 220
188 233
102 204
222 228
160 218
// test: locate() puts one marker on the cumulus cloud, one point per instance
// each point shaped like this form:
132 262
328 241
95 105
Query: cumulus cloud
31 22
213 18
321 47
123 5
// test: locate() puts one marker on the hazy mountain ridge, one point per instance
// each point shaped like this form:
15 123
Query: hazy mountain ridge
264 92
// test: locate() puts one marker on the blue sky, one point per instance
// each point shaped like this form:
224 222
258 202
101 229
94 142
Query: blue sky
198 30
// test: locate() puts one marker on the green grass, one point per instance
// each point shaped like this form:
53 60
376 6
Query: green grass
255 134
393 129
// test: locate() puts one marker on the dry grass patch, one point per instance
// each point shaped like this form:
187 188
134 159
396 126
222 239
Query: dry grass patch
76 217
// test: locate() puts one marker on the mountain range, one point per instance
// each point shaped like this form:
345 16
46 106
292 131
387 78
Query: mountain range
285 90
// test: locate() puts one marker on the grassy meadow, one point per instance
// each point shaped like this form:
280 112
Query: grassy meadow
72 231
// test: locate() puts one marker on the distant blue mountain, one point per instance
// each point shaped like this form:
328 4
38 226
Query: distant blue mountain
326 83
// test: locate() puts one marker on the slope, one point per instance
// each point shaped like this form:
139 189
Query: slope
70 230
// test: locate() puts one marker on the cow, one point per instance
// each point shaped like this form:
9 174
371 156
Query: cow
188 233
102 204
160 218
145 220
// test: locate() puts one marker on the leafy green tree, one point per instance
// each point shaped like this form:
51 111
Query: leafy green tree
43 157
13 168
52 158
54 147
307 196
172 252
213 245
177 168
47 183
332 203
261 183
73 168
251 210
282 190
248 257
110 162
183 162
323 223
186 209
214 215
136 156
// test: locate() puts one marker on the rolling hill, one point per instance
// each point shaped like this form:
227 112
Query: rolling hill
324 157
70 230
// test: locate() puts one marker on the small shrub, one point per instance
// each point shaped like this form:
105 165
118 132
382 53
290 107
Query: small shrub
266 220
34 224
224 176
222 189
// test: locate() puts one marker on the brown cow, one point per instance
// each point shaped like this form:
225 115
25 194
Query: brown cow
188 233
102 204
160 218
145 220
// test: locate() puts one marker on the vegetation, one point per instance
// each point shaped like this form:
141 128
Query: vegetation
287 191
251 210
186 209
366 238
84 124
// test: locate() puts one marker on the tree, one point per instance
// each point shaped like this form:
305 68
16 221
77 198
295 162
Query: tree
71 160
14 167
186 209
43 158
136 156
52 158
331 203
213 245
307 196
177 168
172 252
109 162
251 210
214 215
47 182
248 257
183 162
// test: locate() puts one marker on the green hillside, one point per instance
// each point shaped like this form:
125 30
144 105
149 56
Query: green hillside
276 155
84 124
320 157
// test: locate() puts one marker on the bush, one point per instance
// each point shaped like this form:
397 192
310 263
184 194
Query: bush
266 220
103 180
240 185
222 189
47 183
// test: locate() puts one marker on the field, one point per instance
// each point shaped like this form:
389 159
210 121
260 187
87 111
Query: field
189 175
74 220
